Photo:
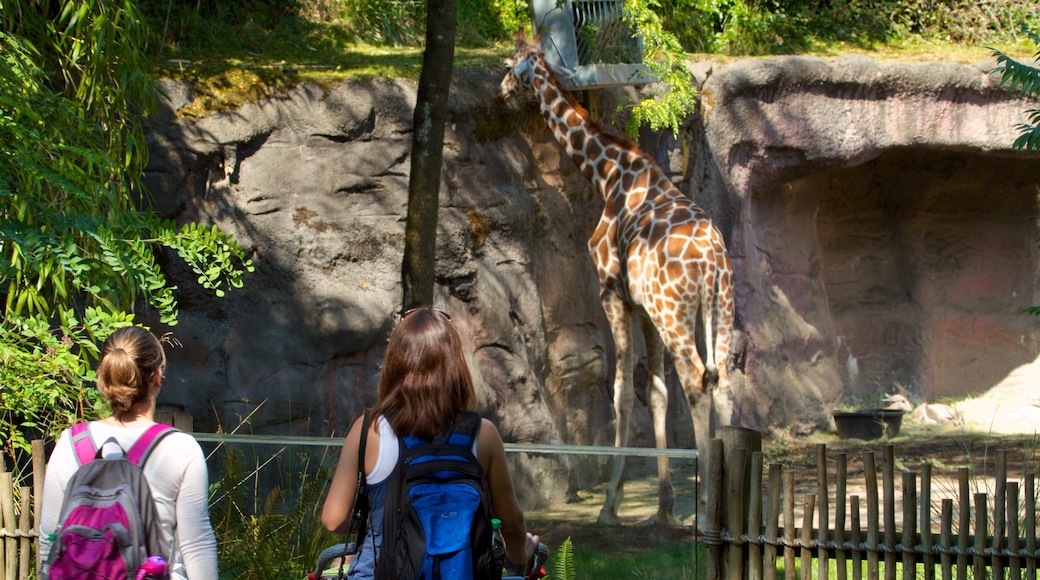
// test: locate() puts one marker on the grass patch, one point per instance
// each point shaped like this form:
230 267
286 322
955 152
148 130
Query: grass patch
668 562
237 61
226 83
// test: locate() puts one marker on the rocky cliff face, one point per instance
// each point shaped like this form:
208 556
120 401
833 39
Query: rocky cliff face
881 229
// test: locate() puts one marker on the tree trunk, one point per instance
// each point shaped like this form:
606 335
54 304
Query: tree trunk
431 113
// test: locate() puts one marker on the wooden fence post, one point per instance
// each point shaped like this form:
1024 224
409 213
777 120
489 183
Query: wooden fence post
964 524
772 520
24 545
823 535
909 525
735 509
10 525
754 519
736 473
927 542
1030 531
182 421
870 471
713 517
888 466
39 467
789 524
840 500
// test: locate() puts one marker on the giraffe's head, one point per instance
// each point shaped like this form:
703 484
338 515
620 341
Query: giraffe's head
520 68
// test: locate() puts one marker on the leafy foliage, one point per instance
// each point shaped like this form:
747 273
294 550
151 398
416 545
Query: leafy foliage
1024 79
762 27
674 98
41 379
78 252
403 22
563 563
277 536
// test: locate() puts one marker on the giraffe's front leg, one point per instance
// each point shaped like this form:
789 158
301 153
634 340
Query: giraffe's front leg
619 315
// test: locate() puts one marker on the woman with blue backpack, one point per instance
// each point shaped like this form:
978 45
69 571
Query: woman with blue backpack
122 492
422 475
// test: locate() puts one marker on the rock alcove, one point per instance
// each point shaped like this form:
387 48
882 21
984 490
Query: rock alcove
877 217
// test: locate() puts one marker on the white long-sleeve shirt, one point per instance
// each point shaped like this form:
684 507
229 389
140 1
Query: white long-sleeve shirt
177 475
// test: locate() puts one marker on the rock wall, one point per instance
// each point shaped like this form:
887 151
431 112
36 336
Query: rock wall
877 219
881 226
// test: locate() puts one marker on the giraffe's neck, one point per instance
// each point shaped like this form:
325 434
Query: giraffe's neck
569 123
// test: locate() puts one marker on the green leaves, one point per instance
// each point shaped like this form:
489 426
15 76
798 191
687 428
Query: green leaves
110 262
1025 79
670 102
563 564
212 254
76 252
41 379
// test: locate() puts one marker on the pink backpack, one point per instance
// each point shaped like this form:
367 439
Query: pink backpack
108 525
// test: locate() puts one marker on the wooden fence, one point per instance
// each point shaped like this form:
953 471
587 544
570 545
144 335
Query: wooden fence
750 522
20 513
751 526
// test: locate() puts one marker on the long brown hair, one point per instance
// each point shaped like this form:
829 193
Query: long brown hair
130 357
425 382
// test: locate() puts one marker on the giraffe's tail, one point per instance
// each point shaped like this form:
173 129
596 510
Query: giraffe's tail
710 380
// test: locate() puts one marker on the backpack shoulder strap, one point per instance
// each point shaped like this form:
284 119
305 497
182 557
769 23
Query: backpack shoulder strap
362 484
142 448
86 451
359 513
465 430
462 433
82 444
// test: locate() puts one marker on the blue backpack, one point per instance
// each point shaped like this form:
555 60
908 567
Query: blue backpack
437 516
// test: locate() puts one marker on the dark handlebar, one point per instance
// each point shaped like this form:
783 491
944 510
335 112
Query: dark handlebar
536 567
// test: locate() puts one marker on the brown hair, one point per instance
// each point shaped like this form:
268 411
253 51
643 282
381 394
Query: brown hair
425 382
130 357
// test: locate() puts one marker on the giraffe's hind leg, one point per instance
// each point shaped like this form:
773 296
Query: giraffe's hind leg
721 301
691 370
658 399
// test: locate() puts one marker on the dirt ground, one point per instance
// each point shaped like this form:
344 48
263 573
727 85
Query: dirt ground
947 448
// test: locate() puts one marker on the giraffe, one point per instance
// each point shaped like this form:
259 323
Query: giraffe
658 256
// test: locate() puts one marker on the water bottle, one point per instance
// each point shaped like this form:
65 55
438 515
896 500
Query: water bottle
498 543
154 568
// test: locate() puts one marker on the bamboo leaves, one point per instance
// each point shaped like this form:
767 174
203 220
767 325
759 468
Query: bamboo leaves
77 252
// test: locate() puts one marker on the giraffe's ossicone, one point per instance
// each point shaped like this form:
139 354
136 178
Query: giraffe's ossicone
658 256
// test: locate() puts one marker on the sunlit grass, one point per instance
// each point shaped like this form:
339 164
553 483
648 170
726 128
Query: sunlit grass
918 50
226 83
668 562
228 69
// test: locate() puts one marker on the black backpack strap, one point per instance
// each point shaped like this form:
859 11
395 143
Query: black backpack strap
359 512
466 429
462 433
361 494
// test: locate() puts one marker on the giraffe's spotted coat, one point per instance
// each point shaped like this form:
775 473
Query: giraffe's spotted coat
656 253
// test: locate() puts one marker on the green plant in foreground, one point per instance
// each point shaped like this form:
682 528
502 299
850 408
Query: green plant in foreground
563 563
79 247
278 534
